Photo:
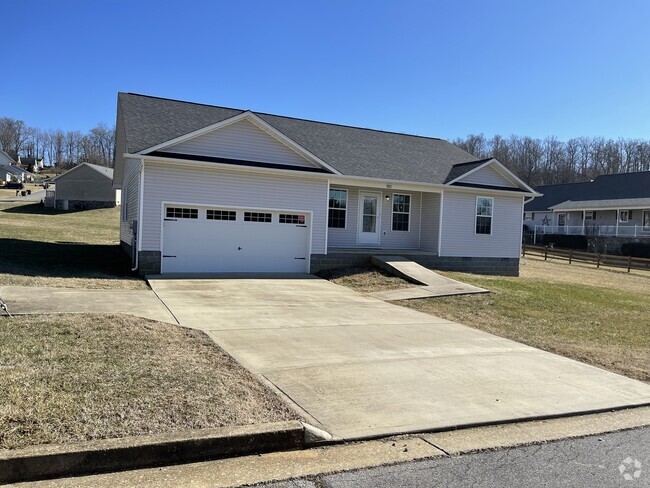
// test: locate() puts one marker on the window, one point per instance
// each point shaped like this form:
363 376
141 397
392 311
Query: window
529 215
561 220
182 213
484 215
221 215
338 203
292 219
401 212
589 215
646 220
257 217
623 216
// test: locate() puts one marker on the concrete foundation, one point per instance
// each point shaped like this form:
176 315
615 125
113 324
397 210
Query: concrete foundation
488 266
82 204
149 262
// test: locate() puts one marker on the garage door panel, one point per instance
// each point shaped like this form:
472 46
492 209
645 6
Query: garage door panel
201 245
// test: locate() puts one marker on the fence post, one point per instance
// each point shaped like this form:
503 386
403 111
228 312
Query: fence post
629 263
545 252
523 251
598 261
570 255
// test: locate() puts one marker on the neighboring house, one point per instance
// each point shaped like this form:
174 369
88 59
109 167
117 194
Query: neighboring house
5 159
15 173
213 189
34 164
84 187
617 205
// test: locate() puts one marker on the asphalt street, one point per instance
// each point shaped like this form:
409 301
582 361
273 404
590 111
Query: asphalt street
593 462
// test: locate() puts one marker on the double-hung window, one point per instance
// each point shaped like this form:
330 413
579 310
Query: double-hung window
484 207
337 208
401 212
624 216
646 220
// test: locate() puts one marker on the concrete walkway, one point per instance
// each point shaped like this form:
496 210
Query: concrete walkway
33 300
434 285
360 367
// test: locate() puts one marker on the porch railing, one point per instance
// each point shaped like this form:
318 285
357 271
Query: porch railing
594 230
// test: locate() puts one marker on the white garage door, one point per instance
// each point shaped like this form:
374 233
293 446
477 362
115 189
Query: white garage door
215 240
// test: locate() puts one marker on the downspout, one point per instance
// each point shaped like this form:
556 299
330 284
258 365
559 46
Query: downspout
136 244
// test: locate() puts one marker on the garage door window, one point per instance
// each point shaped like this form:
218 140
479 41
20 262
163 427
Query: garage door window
257 217
292 219
221 215
182 213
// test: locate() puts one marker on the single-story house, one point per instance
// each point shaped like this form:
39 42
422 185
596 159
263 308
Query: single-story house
615 205
215 189
83 187
33 164
5 159
15 173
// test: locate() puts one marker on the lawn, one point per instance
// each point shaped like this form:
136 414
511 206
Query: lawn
66 378
47 247
600 317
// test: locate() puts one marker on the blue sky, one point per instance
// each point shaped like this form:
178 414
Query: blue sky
437 68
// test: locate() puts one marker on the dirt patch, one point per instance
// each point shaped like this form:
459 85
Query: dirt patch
365 279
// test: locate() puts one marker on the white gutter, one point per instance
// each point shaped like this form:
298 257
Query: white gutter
138 234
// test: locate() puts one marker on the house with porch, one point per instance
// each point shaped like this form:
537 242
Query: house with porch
615 205
215 189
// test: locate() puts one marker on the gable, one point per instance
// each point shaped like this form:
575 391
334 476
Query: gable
241 140
489 176
83 173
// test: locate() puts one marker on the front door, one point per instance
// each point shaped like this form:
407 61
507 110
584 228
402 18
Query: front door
369 218
561 220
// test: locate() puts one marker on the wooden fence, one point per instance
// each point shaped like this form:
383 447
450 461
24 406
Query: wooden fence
597 259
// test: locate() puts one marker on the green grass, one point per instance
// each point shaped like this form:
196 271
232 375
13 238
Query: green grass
67 378
47 247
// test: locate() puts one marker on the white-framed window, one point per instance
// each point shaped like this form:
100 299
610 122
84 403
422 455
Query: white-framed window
529 215
484 212
561 220
401 212
220 214
646 220
337 208
589 215
623 215
182 213
257 217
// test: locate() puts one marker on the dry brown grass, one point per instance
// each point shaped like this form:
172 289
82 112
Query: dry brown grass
365 279
66 378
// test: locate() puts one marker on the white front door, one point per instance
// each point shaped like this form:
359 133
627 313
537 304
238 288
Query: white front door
369 218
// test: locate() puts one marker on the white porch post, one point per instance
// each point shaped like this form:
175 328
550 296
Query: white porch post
618 216
583 222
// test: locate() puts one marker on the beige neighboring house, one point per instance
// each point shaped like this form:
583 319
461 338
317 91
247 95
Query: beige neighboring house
84 187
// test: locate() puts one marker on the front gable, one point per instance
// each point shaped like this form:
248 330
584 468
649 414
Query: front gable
488 175
491 174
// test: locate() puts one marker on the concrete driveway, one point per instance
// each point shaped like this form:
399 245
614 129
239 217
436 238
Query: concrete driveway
360 367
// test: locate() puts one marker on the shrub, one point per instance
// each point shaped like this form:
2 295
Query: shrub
636 249
568 242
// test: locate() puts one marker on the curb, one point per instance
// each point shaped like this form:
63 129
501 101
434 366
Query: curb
109 455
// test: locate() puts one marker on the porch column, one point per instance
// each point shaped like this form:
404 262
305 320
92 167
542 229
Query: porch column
583 222
618 216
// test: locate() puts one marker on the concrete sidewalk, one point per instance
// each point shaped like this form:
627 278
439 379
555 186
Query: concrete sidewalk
34 300
359 367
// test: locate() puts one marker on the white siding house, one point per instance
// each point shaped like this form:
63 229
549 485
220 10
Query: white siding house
212 189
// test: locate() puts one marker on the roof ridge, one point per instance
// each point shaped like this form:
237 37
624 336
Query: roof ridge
287 117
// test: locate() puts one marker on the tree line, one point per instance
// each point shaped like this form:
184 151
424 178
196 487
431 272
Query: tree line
58 147
549 161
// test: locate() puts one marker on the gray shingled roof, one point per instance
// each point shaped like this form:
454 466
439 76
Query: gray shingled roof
596 204
16 170
352 151
606 187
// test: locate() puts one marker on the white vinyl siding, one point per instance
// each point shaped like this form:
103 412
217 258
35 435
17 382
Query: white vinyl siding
241 140
487 176
458 227
388 239
430 221
226 188
131 189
